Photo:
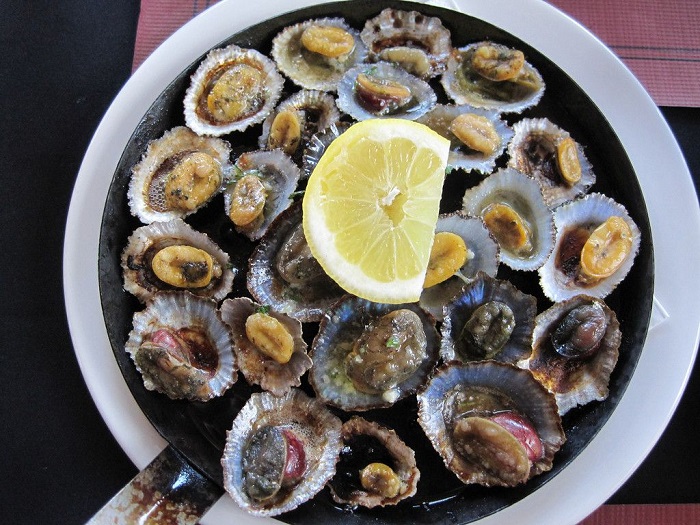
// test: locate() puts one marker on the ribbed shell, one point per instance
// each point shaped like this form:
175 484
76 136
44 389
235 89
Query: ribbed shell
146 241
439 119
475 294
573 382
257 368
555 190
146 194
524 195
465 86
340 327
266 285
589 212
310 70
483 256
316 111
311 422
404 465
424 98
279 175
317 145
215 63
528 397
393 28
176 310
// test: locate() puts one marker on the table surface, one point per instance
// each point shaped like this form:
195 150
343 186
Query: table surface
61 65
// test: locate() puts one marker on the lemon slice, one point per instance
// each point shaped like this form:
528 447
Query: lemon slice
371 205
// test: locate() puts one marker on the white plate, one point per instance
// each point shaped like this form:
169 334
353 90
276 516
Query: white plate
669 352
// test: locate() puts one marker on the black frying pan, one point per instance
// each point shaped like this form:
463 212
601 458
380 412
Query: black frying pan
196 431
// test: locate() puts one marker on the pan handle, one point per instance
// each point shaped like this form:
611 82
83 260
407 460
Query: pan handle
168 490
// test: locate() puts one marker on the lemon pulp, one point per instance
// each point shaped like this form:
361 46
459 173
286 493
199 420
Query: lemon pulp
371 205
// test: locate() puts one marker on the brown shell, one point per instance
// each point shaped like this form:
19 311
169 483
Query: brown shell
401 456
256 367
573 381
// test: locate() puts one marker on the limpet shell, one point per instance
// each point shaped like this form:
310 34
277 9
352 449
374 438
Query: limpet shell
374 443
340 327
316 111
394 32
211 68
258 369
279 176
310 421
573 381
525 395
306 301
465 86
533 151
423 98
195 379
480 291
146 241
558 280
310 70
524 195
317 145
439 119
146 191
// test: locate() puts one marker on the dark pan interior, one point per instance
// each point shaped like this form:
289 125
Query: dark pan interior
198 430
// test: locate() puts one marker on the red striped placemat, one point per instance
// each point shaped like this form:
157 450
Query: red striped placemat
658 41
644 515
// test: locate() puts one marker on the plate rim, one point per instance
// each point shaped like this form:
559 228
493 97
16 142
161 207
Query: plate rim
600 69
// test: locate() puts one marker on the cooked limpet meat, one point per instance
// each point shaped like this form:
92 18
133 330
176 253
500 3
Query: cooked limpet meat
478 136
232 89
606 249
513 209
260 189
492 76
370 355
284 274
497 62
280 452
389 350
182 348
178 174
376 468
575 349
172 255
447 256
493 424
328 41
315 54
482 255
285 132
269 345
595 248
418 43
383 90
489 319
550 155
291 125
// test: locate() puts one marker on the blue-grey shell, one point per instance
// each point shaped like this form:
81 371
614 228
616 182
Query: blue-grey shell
477 293
340 327
527 397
